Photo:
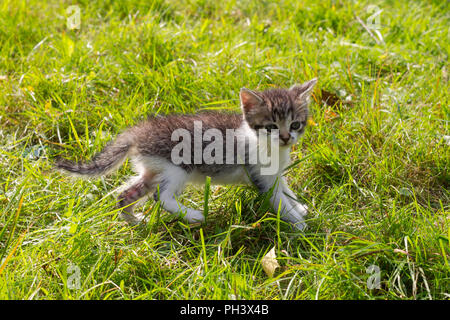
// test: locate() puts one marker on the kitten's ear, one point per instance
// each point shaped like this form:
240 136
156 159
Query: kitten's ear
303 91
249 100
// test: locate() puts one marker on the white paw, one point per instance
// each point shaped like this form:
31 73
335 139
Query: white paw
302 209
296 220
194 216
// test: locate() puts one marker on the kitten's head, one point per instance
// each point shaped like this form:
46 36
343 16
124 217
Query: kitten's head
282 109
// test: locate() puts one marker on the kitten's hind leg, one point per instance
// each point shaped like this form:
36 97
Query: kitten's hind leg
136 191
171 186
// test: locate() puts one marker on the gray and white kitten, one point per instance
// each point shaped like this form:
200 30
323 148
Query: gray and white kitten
149 145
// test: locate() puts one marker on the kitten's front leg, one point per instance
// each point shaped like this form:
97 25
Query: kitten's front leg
280 201
300 208
288 212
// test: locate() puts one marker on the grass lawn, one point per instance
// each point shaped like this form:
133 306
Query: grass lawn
373 166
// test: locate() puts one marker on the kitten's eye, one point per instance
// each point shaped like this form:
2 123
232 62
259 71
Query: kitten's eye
295 125
271 126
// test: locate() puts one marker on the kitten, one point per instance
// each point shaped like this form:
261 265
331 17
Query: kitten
280 114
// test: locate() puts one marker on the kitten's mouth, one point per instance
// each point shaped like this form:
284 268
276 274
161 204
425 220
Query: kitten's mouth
282 143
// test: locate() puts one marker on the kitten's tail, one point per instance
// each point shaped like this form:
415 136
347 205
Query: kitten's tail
109 159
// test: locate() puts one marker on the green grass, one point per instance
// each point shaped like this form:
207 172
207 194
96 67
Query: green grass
376 177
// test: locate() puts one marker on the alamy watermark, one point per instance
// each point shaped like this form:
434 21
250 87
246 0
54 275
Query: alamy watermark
374 280
233 148
373 22
74 18
73 277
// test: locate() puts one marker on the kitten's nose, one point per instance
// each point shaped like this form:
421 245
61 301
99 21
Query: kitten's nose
285 137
